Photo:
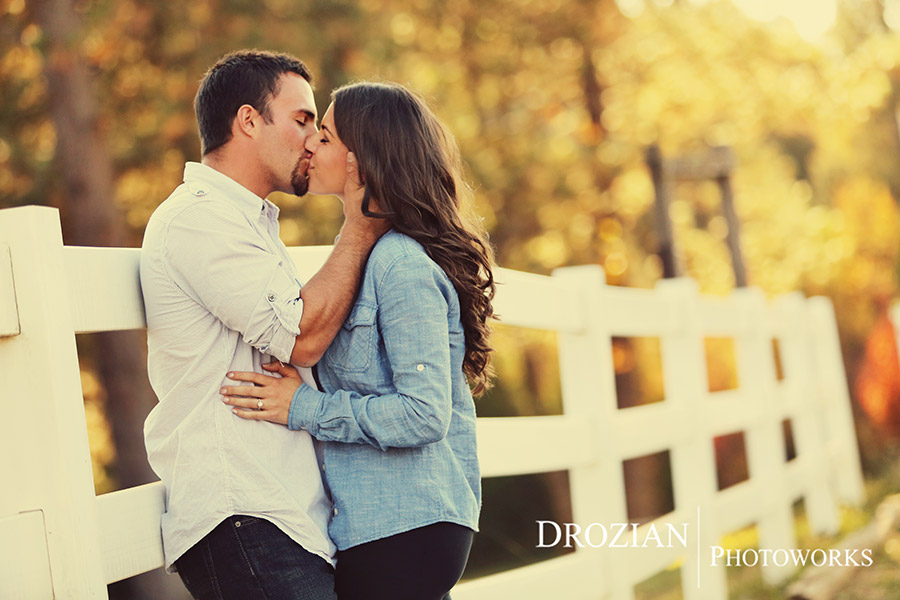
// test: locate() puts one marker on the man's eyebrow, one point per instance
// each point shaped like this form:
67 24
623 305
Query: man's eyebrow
309 114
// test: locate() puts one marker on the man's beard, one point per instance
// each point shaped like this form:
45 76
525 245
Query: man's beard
299 181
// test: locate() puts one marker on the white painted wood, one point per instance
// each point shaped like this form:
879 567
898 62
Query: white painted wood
519 445
308 260
693 459
794 481
730 411
53 521
105 288
648 429
639 312
736 507
806 413
645 558
129 530
47 431
764 440
9 312
522 300
536 301
587 377
24 564
724 317
833 391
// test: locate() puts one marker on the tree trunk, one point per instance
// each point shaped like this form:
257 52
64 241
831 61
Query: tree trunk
90 217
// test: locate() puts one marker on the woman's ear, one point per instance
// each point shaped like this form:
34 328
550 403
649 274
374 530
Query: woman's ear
360 172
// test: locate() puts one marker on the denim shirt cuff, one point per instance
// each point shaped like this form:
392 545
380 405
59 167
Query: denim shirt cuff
304 405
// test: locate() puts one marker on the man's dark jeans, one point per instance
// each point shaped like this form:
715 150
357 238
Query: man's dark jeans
247 558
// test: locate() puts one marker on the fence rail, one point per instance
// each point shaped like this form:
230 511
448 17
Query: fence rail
57 539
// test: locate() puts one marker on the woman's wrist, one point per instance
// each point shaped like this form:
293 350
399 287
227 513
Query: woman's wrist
301 413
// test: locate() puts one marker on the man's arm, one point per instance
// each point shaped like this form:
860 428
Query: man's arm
329 295
413 298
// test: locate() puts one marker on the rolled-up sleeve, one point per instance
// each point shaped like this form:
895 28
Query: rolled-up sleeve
412 308
217 258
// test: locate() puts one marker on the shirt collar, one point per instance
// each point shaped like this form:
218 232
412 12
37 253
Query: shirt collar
198 174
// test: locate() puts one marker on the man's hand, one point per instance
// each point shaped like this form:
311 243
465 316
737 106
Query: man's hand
354 190
329 295
355 221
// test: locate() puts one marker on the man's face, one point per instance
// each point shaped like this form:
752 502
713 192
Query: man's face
292 118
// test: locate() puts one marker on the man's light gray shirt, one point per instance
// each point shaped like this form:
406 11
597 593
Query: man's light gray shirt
221 294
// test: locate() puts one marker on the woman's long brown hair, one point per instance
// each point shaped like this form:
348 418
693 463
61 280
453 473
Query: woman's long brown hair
410 164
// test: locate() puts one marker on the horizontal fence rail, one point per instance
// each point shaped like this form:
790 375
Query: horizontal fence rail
57 539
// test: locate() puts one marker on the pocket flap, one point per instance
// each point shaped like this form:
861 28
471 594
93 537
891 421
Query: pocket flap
363 314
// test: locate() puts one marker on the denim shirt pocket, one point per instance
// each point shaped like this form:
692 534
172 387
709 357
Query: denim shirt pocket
355 344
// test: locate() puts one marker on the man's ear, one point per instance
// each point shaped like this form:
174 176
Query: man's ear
246 121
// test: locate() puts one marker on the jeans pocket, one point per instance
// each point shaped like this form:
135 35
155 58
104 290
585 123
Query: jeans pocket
245 520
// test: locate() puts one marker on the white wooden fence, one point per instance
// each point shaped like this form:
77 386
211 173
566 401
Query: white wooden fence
59 540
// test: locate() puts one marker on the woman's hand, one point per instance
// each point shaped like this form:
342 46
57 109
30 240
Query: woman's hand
268 400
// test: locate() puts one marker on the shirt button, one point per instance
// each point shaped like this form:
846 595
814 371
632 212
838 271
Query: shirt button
420 367
271 297
323 466
335 512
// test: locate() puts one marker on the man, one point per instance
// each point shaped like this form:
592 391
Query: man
246 513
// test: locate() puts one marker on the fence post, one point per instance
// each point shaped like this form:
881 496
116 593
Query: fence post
801 403
693 457
48 463
589 393
766 453
834 395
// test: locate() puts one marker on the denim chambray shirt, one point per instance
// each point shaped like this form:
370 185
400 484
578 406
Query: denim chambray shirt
396 413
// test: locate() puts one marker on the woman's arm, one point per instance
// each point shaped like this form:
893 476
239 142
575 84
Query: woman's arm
412 304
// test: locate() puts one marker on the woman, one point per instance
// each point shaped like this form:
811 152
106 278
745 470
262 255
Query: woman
396 410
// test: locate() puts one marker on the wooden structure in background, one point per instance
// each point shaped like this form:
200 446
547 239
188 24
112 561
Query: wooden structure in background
718 166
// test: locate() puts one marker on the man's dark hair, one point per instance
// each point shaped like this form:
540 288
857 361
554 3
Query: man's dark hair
245 77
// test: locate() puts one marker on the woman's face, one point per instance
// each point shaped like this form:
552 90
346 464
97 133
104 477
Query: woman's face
328 163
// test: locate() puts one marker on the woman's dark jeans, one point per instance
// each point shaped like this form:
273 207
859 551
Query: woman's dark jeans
248 558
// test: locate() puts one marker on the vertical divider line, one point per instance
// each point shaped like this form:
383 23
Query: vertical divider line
698 546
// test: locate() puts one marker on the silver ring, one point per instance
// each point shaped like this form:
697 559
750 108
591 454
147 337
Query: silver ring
259 404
